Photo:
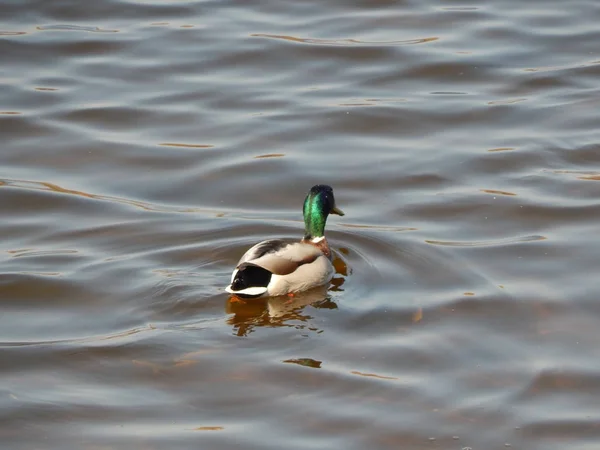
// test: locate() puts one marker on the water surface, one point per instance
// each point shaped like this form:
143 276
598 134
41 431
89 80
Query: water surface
147 144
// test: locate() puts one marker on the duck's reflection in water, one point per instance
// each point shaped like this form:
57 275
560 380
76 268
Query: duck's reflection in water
283 311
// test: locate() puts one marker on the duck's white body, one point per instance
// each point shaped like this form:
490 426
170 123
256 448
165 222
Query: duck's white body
294 267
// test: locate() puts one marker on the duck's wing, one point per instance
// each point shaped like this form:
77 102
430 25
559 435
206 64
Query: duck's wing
284 258
261 249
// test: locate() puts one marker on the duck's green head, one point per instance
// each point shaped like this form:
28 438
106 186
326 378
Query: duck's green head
319 203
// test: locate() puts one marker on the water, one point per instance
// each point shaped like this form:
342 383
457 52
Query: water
147 144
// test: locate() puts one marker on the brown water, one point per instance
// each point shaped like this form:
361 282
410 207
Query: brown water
147 144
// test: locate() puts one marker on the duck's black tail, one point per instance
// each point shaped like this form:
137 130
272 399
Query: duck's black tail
249 281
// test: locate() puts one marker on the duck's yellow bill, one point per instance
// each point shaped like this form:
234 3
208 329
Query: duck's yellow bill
337 211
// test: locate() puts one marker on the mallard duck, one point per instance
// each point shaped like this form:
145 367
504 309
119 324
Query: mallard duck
276 267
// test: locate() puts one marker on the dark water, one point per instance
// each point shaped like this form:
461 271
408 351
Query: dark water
147 144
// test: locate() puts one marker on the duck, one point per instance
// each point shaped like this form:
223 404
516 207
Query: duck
277 267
